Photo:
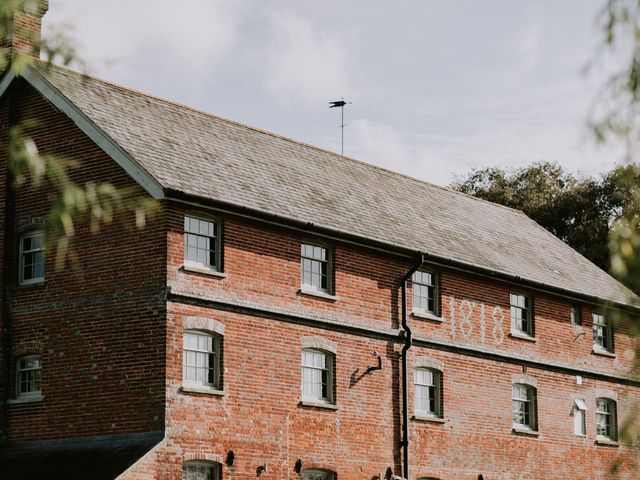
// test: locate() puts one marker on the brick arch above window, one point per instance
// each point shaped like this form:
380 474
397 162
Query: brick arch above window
524 379
31 223
428 362
28 348
606 393
202 457
319 343
313 465
203 323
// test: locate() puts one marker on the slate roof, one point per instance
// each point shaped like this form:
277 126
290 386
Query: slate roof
201 154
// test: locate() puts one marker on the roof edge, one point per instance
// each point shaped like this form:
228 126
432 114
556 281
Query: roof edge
36 80
260 215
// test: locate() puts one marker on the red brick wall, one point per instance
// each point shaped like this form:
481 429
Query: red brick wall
99 322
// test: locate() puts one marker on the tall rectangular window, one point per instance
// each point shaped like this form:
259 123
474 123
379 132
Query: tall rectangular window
424 292
317 376
31 258
315 267
427 391
606 427
579 417
524 407
602 333
521 320
576 314
28 376
201 243
201 360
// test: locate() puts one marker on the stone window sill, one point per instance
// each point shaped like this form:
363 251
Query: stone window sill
428 418
522 336
426 316
607 442
189 389
25 400
317 293
312 404
39 283
604 353
203 271
525 431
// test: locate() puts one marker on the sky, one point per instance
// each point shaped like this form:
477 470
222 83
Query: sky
437 88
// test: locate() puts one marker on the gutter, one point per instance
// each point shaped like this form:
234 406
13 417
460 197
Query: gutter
408 341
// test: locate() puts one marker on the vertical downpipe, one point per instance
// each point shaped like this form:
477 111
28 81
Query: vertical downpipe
408 341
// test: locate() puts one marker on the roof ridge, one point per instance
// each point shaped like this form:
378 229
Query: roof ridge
279 136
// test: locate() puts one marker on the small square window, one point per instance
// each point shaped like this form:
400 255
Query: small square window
195 470
425 292
524 406
521 318
202 243
201 360
29 376
427 392
317 376
576 314
315 266
602 332
579 417
31 268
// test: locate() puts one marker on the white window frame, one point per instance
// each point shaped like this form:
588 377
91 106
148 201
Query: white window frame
434 392
312 259
329 365
418 284
23 252
530 404
214 239
214 470
606 332
20 371
579 417
317 474
216 353
576 314
606 420
528 308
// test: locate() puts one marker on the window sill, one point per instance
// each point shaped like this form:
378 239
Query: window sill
312 404
607 442
203 271
39 283
428 418
21 401
522 336
317 293
525 431
188 389
604 353
426 316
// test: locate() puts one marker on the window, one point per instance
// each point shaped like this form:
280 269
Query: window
576 314
28 376
602 333
200 471
579 417
524 407
201 359
317 474
427 392
315 267
317 376
606 427
424 292
201 243
31 258
521 314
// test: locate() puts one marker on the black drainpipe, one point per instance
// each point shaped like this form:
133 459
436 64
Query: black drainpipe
408 341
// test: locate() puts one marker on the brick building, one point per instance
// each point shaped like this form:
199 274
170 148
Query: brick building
289 313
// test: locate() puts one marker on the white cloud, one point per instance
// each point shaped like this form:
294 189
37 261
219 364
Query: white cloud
304 64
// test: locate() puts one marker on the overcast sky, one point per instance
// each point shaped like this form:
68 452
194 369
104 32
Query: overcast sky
437 87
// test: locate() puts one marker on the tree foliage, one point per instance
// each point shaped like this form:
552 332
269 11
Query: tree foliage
581 211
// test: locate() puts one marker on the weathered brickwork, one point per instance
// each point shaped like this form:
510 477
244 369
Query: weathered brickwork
110 327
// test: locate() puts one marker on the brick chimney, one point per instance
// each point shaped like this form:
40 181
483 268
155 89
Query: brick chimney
21 34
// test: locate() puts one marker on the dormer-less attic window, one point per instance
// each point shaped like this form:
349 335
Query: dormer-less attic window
202 243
